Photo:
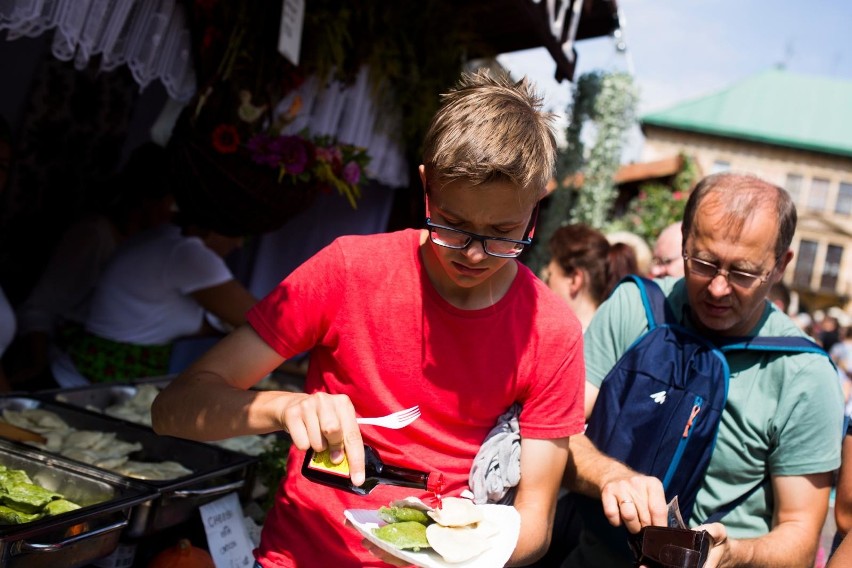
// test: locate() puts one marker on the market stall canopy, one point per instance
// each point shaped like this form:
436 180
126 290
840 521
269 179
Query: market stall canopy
512 25
153 40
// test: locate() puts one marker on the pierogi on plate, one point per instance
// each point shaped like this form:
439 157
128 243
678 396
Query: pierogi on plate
459 534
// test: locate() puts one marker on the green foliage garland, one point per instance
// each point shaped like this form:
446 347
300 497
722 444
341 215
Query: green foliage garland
614 112
607 101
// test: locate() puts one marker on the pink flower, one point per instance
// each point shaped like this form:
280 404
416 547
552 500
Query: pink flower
293 154
351 173
677 195
263 151
330 154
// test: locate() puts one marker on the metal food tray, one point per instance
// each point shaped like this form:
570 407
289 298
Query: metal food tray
77 537
216 471
161 381
99 397
96 397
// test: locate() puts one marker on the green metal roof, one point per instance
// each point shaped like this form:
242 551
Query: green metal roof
774 107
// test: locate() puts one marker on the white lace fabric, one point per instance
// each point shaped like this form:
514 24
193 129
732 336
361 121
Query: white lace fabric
350 114
149 36
152 39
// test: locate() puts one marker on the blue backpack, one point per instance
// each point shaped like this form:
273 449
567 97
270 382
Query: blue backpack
659 408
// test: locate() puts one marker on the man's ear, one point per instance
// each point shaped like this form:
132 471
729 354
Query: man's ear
782 264
422 171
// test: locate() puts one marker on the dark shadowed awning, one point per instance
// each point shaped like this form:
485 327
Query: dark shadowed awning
512 25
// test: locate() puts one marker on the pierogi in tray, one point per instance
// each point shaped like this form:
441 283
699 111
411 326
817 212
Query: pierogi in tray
100 449
459 534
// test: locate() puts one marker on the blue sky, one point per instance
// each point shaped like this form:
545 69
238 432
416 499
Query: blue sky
682 49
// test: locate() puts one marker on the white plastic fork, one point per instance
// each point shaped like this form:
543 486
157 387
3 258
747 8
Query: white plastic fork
399 419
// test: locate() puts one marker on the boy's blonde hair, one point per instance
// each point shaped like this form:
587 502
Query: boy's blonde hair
490 128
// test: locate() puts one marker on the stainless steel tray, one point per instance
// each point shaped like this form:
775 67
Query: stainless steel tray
78 537
99 397
96 397
216 471
114 400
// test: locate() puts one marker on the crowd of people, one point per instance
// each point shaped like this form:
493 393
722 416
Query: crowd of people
469 320
450 319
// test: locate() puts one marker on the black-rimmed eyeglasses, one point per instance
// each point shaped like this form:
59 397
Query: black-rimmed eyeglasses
494 246
709 270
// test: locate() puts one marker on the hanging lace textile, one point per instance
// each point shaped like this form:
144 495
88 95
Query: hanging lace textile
149 36
350 114
153 39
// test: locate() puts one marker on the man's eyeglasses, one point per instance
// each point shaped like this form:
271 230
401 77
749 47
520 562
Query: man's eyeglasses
494 246
709 270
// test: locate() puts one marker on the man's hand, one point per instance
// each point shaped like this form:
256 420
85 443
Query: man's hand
628 497
721 545
634 500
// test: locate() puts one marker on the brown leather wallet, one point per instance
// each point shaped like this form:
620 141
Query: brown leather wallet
664 547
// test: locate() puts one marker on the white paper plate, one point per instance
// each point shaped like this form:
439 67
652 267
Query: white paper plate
501 545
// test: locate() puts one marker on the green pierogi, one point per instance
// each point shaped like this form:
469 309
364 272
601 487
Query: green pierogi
400 514
22 501
405 535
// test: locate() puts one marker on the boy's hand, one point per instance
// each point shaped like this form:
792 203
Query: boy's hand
325 421
382 555
386 557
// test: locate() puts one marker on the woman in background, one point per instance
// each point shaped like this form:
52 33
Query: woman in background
164 284
136 199
584 268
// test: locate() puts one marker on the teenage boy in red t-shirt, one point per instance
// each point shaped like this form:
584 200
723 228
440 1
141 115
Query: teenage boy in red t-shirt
445 318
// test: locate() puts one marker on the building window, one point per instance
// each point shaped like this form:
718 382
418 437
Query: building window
720 166
831 269
844 199
818 194
805 264
793 185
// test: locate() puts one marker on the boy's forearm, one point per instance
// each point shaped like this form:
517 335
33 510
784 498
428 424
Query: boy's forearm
542 462
198 408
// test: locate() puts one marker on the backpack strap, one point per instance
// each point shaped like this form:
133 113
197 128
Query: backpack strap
783 344
790 344
657 309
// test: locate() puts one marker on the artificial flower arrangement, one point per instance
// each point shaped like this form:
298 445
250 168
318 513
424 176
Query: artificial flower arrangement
235 154
242 110
241 167
320 162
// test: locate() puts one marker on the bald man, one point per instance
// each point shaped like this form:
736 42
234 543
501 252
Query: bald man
668 253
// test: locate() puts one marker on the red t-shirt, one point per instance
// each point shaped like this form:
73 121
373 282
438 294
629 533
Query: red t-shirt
379 332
